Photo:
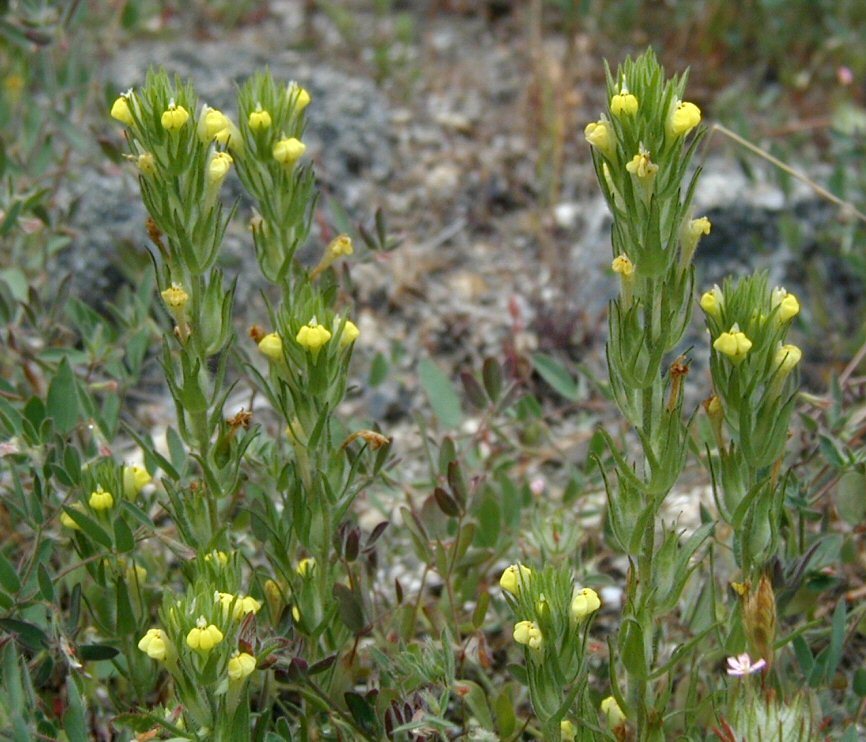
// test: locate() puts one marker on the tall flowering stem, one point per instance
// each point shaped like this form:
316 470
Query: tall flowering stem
182 163
642 149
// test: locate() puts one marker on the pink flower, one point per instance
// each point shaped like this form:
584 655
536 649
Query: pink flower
742 665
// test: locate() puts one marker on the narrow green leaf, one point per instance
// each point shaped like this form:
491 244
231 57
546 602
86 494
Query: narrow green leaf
73 719
46 586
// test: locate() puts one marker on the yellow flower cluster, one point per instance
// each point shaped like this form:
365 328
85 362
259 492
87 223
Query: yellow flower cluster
734 344
301 96
514 577
271 346
259 120
313 336
584 603
135 478
622 265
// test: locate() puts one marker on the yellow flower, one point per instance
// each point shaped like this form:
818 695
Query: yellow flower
271 346
219 167
787 303
528 634
146 164
622 265
641 166
684 117
204 637
154 644
600 136
623 103
230 137
241 665
306 566
210 123
101 500
259 119
135 478
584 603
339 246
301 96
313 336
514 577
690 235
350 334
120 111
734 344
787 358
66 520
288 151
296 614
611 709
243 604
220 556
175 299
712 302
174 117
567 731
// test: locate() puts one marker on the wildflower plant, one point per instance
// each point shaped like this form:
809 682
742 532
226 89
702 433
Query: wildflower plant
642 150
552 622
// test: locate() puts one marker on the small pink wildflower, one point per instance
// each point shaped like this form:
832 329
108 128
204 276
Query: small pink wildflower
743 665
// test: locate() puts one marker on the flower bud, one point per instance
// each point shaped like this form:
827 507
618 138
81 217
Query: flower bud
712 302
584 603
101 500
623 104
121 112
154 644
135 478
312 336
218 168
146 164
514 578
176 299
271 346
642 167
259 119
301 96
734 344
567 731
305 567
610 708
203 637
788 306
786 359
684 117
528 634
350 333
288 151
174 117
600 136
210 123
241 665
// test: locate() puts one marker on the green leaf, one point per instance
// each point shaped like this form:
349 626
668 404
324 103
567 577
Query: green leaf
378 370
362 712
62 401
73 719
8 576
851 497
491 373
440 393
89 526
123 538
28 634
555 375
97 652
46 586
350 608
